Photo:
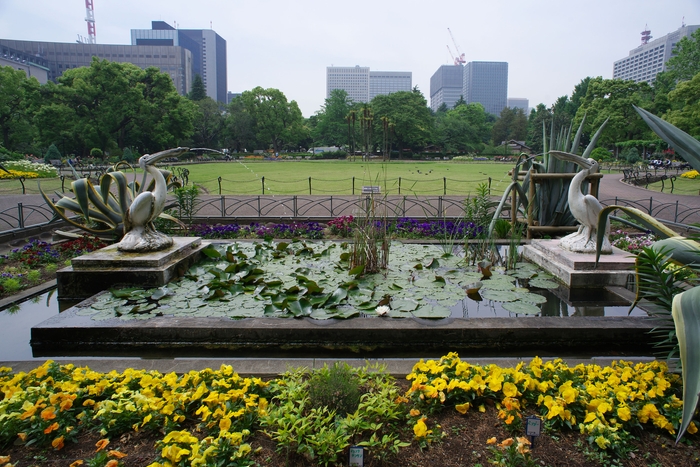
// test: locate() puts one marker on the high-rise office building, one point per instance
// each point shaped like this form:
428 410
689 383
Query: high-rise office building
207 47
33 66
59 57
487 84
353 80
519 103
646 61
386 82
362 85
446 86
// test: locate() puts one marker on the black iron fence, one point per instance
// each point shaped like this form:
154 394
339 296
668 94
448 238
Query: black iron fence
23 215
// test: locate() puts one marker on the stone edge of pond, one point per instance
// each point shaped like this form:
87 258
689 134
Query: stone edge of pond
26 294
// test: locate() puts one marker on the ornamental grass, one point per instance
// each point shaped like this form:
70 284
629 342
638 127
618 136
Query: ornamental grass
205 418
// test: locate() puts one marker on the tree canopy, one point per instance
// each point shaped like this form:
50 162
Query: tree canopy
614 99
331 125
465 128
685 62
277 122
409 114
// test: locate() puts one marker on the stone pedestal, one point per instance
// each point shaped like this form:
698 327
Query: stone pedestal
97 271
578 270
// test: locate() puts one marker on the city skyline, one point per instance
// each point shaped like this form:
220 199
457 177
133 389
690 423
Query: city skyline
288 46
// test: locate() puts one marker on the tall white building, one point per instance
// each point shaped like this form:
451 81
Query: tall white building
354 80
646 61
362 85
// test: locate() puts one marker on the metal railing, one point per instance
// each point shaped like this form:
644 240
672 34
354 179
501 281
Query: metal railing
224 208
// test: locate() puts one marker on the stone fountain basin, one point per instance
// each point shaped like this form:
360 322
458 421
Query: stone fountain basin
70 334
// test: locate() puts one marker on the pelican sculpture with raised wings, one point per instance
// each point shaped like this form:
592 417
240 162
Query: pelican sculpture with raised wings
140 233
584 207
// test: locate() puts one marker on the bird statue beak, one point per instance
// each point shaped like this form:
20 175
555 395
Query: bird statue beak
568 157
153 158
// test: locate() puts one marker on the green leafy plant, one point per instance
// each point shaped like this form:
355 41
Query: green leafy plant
187 198
550 204
336 388
685 305
102 211
511 453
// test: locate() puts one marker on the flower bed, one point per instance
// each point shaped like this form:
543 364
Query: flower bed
342 226
38 261
631 242
216 417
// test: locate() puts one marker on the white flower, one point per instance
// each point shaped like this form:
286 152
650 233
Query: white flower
382 310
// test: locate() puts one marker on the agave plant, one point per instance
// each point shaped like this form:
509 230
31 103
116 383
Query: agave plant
673 250
550 205
103 208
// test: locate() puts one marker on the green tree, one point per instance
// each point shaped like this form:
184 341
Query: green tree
111 105
52 154
128 156
331 124
16 94
685 62
463 129
239 132
198 91
511 124
614 99
409 113
208 124
686 98
277 122
539 116
459 102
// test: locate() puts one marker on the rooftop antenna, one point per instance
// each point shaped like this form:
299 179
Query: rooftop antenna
683 22
210 25
646 35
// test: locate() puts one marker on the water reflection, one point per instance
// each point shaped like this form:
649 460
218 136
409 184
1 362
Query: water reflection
16 323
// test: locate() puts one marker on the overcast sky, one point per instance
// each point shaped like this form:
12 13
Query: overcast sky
550 45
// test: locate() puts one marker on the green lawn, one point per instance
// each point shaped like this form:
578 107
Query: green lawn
336 177
681 186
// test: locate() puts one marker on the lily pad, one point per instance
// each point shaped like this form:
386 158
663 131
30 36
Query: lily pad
543 283
499 295
432 312
535 299
521 308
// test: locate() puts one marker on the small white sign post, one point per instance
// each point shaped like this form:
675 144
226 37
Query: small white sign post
356 456
533 428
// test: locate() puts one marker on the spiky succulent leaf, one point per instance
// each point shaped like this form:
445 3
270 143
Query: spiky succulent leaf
640 216
686 315
681 141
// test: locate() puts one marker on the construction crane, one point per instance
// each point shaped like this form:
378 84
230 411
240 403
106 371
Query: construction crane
459 59
454 59
90 18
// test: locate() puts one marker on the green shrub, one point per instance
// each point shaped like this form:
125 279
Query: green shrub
34 276
11 284
336 388
96 152
631 155
501 228
52 154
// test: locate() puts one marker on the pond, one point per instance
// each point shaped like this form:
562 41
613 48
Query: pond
424 284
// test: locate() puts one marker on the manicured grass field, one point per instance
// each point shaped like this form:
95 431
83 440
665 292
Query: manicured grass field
336 177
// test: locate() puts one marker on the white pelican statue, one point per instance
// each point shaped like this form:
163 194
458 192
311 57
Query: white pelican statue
140 233
585 208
